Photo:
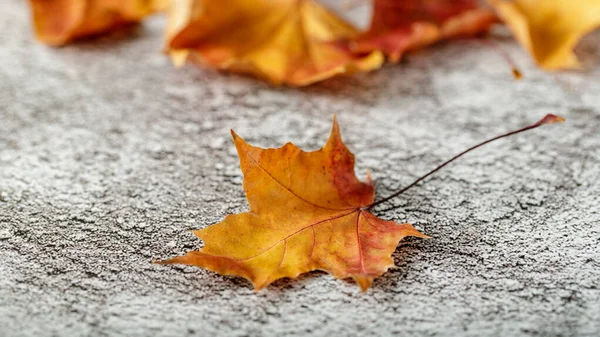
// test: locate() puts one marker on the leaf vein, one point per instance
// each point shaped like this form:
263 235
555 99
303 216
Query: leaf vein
296 232
289 189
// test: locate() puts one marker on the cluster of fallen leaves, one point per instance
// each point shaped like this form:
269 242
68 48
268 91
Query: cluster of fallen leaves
299 42
308 210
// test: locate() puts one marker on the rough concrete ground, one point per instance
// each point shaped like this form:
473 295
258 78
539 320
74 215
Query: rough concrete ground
109 156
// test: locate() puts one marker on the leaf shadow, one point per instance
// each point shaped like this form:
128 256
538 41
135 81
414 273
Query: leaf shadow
108 40
360 88
407 251
302 281
588 50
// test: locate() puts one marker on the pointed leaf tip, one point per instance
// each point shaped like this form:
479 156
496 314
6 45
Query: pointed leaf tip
335 130
240 144
364 282
335 123
155 261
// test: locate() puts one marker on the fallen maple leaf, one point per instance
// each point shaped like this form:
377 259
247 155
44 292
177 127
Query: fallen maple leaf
57 22
306 213
284 41
398 26
550 29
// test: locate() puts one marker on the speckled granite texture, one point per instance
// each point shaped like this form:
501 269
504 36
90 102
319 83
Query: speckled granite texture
109 156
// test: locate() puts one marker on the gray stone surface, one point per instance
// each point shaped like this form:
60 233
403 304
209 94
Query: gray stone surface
109 156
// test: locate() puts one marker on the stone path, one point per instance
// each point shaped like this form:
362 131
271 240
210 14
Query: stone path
109 156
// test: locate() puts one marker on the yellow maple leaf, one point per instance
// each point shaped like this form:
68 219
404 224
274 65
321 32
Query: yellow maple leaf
307 212
550 29
284 41
57 22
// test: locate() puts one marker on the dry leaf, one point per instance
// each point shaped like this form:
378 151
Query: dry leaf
550 29
398 26
284 41
307 212
58 22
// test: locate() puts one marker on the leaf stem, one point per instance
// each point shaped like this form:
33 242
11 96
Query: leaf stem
548 119
517 74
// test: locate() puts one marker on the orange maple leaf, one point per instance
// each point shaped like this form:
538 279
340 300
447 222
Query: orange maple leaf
284 41
307 212
398 26
57 22
550 29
